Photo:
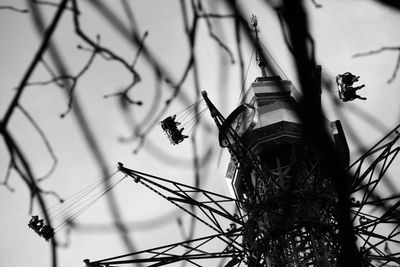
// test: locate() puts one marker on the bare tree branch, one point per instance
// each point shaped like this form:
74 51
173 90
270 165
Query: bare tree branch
124 93
207 16
87 132
18 159
33 64
380 50
7 176
22 167
317 5
50 4
45 140
19 10
97 46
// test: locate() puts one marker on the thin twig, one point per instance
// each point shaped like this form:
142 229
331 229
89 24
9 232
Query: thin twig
131 17
52 73
208 16
75 79
140 49
380 50
98 47
112 56
218 40
139 130
124 93
51 4
19 10
45 140
60 79
317 5
7 177
216 16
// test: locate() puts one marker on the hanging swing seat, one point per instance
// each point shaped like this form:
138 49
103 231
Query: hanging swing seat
346 91
43 230
170 127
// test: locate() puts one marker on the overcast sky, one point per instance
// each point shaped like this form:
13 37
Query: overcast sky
340 29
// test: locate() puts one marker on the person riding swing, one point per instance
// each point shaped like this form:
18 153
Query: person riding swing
46 231
169 123
346 90
170 127
35 223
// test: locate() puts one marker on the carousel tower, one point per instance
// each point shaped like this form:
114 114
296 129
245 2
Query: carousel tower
285 206
272 170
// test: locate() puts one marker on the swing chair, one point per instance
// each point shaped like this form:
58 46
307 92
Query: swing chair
187 118
65 212
346 91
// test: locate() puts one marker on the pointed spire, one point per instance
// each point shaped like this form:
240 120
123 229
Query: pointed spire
266 71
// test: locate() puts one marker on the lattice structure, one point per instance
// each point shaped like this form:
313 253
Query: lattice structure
284 211
292 220
296 226
376 219
246 239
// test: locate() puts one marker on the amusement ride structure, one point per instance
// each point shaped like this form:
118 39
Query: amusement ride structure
285 205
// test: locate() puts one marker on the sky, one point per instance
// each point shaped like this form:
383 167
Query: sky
340 30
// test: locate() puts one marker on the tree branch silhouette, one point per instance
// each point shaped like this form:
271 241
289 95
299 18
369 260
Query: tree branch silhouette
312 117
124 93
381 50
87 133
35 61
15 9
18 159
59 79
45 141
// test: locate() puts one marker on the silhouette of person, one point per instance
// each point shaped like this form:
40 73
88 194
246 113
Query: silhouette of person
35 223
346 90
47 232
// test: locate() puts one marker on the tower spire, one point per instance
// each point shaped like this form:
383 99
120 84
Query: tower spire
266 71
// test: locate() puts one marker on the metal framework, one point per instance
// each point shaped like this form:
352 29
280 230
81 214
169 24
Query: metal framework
280 223
191 251
376 219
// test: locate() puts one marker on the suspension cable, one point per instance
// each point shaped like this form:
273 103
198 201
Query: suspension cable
88 203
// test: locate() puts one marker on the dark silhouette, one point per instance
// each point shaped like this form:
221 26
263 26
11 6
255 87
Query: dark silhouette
44 230
345 87
35 223
169 125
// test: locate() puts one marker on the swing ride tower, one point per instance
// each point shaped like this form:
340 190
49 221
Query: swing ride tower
274 172
289 200
285 204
